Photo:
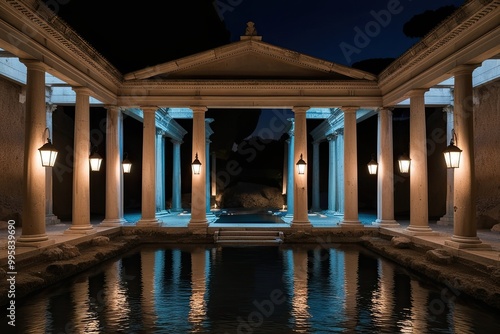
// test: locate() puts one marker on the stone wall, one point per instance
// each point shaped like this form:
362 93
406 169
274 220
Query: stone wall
487 153
11 150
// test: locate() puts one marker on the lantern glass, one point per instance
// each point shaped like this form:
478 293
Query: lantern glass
372 167
127 166
301 165
452 156
95 162
196 165
404 164
48 154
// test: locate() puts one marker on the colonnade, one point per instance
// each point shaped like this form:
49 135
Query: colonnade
346 198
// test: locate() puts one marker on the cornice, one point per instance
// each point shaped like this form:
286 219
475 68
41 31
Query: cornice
441 36
64 36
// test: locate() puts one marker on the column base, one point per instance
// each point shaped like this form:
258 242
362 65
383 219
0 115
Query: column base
300 224
148 222
466 242
112 222
445 221
35 240
161 214
419 230
351 224
330 212
51 220
386 223
338 213
88 229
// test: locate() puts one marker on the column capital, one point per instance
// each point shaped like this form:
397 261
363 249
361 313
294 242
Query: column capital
50 108
339 132
448 109
417 92
149 108
390 109
33 64
198 109
300 109
464 69
332 136
349 109
80 90
111 107
160 132
176 141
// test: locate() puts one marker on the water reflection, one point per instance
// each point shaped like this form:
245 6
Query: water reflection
202 289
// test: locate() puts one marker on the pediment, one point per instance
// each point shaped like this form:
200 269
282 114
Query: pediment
253 60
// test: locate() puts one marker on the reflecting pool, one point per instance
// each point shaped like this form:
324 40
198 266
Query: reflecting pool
204 289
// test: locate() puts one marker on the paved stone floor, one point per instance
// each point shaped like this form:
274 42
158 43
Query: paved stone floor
488 256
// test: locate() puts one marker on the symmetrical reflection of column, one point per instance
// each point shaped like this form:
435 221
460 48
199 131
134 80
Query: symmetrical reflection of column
300 309
462 319
83 322
176 176
383 300
351 289
351 214
419 206
148 296
148 200
332 174
447 219
50 217
385 174
315 207
197 303
36 311
419 307
117 310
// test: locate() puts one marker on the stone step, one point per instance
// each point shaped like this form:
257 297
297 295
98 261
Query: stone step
245 237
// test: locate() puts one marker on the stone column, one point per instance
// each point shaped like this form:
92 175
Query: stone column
114 170
148 203
50 217
315 179
207 180
351 215
419 206
33 214
339 175
213 174
81 168
176 177
160 173
332 171
447 219
464 227
291 170
285 169
198 193
300 218
385 173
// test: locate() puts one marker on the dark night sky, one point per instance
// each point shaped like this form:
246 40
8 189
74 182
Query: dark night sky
140 34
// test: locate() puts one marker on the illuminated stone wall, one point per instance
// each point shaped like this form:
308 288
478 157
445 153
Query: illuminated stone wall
11 150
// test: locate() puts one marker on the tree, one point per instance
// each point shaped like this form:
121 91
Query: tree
421 24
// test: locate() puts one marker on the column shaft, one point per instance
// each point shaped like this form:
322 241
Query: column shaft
419 206
300 204
176 177
447 219
148 204
351 216
339 172
198 193
33 214
464 227
291 170
332 171
114 169
81 168
385 173
50 218
315 179
160 173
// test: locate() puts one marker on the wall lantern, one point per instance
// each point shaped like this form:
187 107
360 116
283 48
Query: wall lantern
95 160
48 152
404 164
301 165
452 153
372 166
126 164
196 165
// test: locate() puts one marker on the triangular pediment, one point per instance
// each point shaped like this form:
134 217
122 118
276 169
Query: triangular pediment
250 59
